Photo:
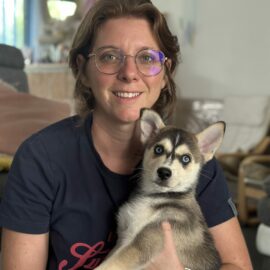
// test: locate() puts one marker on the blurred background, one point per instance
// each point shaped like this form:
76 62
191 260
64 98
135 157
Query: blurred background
224 75
225 44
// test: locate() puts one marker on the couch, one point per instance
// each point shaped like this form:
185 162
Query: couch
21 114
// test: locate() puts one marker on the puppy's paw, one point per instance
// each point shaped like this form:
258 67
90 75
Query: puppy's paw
102 267
110 266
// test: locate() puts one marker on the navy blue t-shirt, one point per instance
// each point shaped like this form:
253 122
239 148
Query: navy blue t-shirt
59 184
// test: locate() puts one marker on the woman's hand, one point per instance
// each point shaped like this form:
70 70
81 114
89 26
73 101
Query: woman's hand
167 259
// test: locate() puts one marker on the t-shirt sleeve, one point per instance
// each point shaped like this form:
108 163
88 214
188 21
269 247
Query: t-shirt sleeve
213 195
29 191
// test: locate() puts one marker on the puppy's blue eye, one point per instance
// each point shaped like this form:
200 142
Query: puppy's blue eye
185 159
159 149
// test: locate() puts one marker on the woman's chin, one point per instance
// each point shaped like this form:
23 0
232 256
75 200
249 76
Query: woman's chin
129 115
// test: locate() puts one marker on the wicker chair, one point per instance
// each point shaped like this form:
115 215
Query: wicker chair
245 153
253 172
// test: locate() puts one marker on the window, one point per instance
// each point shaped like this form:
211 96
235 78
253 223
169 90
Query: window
60 10
12 22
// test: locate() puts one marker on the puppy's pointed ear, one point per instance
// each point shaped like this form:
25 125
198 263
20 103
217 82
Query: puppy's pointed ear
209 140
150 123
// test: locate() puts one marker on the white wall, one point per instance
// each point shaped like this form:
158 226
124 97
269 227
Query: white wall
230 51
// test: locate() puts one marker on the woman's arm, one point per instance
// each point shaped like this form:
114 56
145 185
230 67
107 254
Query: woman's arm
24 251
231 245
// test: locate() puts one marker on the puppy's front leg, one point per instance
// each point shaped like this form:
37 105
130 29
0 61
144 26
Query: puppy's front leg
137 254
126 258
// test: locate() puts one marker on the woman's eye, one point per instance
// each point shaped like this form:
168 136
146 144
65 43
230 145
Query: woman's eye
146 59
159 150
108 58
185 159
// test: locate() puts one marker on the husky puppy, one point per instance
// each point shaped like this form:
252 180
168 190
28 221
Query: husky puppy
171 166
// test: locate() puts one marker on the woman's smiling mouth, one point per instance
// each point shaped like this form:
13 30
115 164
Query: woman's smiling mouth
127 95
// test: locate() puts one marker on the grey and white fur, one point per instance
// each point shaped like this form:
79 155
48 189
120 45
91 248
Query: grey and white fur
172 162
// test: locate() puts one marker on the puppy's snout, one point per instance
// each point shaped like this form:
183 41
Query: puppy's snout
164 173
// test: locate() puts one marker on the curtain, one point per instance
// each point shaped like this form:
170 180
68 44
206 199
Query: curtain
12 22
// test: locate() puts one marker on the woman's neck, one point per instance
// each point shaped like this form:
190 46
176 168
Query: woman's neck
118 144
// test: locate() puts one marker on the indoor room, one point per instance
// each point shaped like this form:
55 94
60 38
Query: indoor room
223 75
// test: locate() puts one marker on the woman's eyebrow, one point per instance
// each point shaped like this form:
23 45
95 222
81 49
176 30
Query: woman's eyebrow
108 47
117 48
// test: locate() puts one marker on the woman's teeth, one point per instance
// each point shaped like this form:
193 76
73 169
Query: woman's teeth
127 94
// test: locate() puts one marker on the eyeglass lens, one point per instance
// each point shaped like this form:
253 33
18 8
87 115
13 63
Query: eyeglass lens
149 62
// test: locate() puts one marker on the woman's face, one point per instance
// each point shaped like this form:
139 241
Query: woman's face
121 96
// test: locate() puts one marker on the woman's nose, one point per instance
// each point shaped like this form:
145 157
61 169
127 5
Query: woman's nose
128 71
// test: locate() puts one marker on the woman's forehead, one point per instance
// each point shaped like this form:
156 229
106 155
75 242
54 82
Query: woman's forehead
126 33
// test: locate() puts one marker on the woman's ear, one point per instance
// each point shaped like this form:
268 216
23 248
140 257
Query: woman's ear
164 82
81 62
167 66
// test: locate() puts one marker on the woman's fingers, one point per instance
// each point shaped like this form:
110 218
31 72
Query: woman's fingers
167 259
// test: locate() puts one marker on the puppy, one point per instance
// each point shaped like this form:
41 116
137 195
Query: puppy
171 166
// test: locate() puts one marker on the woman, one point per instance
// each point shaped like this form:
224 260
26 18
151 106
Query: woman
67 181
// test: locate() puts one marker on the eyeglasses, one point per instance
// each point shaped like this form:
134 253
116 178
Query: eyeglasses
110 61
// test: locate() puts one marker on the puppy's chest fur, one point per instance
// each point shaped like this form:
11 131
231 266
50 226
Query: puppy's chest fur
181 210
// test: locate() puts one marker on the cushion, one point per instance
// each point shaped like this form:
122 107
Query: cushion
22 114
247 110
263 239
247 122
240 138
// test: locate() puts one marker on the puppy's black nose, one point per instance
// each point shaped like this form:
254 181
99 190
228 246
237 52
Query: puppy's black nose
164 173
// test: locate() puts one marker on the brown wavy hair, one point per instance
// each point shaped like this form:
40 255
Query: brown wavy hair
85 36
